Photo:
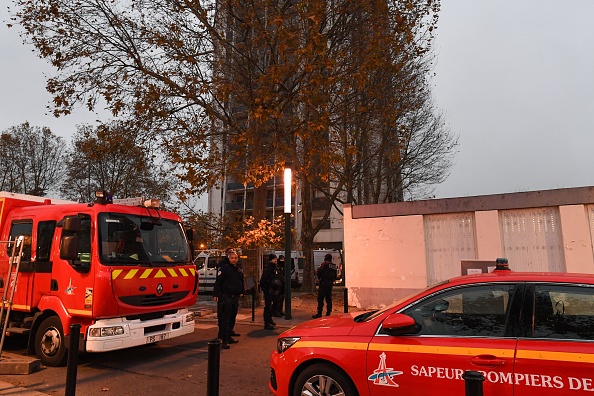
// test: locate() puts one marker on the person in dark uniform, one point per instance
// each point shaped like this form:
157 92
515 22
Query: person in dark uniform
224 260
228 288
326 274
269 287
279 299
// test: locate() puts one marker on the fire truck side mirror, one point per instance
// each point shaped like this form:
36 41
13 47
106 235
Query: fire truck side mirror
69 247
190 234
71 224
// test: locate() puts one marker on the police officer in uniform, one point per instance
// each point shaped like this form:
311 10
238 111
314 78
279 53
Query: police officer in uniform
326 273
220 264
270 289
279 299
228 287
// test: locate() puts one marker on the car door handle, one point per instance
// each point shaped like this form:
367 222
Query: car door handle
487 360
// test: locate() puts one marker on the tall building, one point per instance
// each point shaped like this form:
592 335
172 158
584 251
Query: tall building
235 201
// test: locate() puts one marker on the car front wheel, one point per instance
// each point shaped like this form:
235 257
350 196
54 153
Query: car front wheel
323 379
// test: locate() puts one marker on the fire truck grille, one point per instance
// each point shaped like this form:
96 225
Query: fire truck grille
152 300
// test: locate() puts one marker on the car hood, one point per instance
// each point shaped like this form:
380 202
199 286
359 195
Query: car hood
336 325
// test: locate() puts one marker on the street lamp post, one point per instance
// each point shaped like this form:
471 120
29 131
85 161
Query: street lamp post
287 184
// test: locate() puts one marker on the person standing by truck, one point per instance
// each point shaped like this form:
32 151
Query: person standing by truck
228 288
270 287
326 273
224 261
279 299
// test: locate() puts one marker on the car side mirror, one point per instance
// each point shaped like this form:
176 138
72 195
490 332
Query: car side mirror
399 324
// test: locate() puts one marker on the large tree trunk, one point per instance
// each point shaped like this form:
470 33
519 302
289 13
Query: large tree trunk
259 202
307 237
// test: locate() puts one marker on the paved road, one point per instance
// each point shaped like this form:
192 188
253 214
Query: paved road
177 366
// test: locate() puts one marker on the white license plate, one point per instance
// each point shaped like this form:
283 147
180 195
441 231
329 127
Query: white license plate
158 337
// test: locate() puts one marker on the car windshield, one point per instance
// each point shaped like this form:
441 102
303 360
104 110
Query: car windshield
131 240
377 313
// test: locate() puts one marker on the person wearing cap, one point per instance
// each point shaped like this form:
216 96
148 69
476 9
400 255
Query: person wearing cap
326 273
224 261
228 287
279 299
270 289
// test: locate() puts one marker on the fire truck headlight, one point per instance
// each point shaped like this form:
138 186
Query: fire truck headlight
285 343
106 331
190 317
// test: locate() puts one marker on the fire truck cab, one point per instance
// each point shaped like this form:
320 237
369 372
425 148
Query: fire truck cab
121 271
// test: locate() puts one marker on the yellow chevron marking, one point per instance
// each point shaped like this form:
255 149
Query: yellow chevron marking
172 272
115 274
193 271
146 273
160 274
183 272
131 274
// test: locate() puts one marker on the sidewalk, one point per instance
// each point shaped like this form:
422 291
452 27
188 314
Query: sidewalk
303 306
10 389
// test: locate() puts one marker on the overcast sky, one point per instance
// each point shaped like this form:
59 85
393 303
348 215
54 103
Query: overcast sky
515 80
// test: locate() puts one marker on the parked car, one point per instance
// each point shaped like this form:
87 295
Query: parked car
526 333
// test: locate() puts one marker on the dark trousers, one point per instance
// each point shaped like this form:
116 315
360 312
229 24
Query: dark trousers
268 304
220 316
229 307
277 304
325 293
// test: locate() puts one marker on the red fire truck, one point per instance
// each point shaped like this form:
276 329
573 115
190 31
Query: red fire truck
122 271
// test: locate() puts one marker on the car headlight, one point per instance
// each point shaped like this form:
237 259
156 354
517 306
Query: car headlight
285 343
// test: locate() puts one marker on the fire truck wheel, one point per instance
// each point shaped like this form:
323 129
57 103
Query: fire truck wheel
50 345
324 379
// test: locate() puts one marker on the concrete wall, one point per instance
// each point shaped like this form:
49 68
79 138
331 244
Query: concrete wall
385 252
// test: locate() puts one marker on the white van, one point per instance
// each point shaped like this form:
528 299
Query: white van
318 259
206 265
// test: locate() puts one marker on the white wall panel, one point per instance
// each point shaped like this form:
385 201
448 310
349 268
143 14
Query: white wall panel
532 239
590 210
449 238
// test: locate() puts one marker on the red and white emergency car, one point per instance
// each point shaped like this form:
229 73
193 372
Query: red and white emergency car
527 333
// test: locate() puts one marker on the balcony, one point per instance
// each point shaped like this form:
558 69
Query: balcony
278 203
236 186
320 203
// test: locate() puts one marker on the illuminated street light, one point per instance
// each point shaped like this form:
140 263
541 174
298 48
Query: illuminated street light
287 184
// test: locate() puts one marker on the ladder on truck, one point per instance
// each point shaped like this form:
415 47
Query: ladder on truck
10 283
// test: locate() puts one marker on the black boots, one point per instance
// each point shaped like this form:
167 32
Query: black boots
318 315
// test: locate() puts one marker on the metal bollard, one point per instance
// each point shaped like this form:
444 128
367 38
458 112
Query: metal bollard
214 362
72 365
253 292
473 381
346 300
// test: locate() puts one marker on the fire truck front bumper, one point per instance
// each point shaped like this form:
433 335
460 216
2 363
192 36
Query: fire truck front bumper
120 333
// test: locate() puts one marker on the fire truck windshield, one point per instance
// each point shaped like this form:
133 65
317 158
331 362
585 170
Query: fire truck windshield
131 240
